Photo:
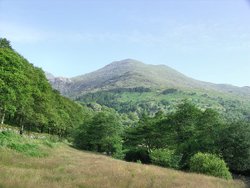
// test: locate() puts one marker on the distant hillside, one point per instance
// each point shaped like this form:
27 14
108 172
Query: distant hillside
132 86
131 73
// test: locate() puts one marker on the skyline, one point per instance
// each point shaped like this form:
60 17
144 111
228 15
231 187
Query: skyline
203 39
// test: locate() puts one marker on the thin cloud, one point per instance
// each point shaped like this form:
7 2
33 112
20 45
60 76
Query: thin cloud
21 34
184 37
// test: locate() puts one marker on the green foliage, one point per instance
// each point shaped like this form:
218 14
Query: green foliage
235 146
101 133
27 99
4 43
209 164
23 145
187 131
165 158
147 134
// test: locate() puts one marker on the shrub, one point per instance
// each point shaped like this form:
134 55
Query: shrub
209 164
165 158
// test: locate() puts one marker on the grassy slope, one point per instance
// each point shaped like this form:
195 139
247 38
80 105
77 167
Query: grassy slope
68 167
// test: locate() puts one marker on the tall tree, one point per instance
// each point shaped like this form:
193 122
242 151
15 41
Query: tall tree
101 133
4 43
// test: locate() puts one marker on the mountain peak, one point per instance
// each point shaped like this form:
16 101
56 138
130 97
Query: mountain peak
125 62
128 61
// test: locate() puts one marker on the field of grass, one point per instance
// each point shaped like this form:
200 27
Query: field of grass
67 167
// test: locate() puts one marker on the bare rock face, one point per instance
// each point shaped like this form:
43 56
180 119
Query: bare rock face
61 84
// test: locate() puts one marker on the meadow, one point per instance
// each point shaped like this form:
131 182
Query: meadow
64 166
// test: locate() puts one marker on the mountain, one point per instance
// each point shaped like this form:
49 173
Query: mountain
132 86
131 73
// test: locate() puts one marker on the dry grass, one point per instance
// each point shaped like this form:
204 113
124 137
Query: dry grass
67 167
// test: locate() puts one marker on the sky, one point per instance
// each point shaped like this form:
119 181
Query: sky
207 40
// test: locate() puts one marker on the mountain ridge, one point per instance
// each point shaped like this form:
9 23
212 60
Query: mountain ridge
129 73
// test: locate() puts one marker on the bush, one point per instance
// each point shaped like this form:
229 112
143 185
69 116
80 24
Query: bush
165 158
209 164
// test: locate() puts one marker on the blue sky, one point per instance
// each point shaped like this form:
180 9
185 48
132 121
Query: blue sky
205 39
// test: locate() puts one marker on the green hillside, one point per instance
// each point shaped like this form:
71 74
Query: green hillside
141 100
132 86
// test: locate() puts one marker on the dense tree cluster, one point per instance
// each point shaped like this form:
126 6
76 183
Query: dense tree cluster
27 99
101 132
188 131
171 140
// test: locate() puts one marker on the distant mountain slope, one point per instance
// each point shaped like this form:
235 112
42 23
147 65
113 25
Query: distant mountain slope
131 73
132 86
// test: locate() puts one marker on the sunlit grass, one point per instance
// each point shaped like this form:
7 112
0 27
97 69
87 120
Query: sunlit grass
68 167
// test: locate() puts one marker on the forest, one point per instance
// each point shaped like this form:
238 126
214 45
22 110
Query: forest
27 99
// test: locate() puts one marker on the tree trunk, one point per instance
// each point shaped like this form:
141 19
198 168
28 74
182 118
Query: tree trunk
3 117
21 130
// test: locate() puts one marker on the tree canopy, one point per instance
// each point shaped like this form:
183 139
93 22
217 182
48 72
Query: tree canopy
27 99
